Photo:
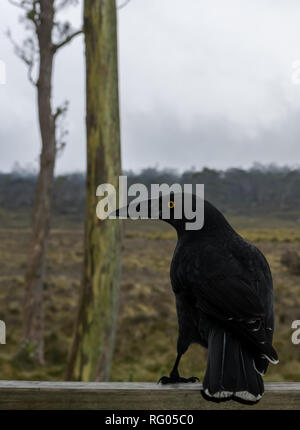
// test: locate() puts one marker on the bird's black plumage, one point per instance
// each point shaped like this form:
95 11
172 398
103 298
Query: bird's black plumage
224 301
224 298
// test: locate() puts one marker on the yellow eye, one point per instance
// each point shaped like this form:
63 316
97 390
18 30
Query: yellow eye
171 204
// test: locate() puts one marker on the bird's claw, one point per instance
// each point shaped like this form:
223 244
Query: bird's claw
176 380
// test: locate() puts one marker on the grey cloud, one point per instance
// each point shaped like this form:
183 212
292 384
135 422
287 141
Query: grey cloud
201 83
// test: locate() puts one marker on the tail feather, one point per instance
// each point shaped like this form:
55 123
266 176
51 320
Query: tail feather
230 372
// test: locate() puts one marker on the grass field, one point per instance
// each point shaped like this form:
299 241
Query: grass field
147 330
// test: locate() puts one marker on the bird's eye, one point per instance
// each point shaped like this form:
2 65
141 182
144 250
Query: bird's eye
171 204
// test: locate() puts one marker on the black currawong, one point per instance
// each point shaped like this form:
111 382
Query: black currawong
224 300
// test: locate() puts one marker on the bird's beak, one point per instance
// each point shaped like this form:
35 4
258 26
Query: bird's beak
145 210
120 213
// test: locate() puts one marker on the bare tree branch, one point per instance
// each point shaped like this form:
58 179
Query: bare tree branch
68 39
61 131
27 57
123 4
34 15
61 110
22 4
30 7
29 74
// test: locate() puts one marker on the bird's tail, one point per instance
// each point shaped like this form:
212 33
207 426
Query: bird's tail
230 372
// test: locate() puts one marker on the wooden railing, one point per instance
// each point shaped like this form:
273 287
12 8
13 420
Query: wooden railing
129 396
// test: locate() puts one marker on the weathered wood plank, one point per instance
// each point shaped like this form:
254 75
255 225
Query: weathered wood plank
134 396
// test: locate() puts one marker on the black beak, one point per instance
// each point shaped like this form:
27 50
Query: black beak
146 209
120 213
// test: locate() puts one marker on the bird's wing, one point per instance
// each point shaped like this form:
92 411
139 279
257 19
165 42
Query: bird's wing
232 301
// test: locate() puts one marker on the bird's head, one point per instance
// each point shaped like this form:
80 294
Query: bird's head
184 211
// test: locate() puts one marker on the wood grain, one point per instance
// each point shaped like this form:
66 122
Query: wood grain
132 396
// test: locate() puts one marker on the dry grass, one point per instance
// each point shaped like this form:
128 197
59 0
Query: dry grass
147 331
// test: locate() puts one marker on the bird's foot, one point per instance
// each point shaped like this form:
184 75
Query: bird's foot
176 379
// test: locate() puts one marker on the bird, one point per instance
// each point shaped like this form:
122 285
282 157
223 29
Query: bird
224 301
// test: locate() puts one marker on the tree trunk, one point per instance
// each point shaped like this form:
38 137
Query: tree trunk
92 348
32 344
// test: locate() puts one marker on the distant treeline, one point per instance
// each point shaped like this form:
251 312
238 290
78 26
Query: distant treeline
256 190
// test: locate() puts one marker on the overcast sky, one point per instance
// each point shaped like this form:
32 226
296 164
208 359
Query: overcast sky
202 83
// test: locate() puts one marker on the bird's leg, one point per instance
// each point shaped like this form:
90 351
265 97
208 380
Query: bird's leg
174 372
174 377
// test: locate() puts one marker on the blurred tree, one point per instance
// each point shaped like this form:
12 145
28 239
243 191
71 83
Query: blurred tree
47 36
91 352
237 191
